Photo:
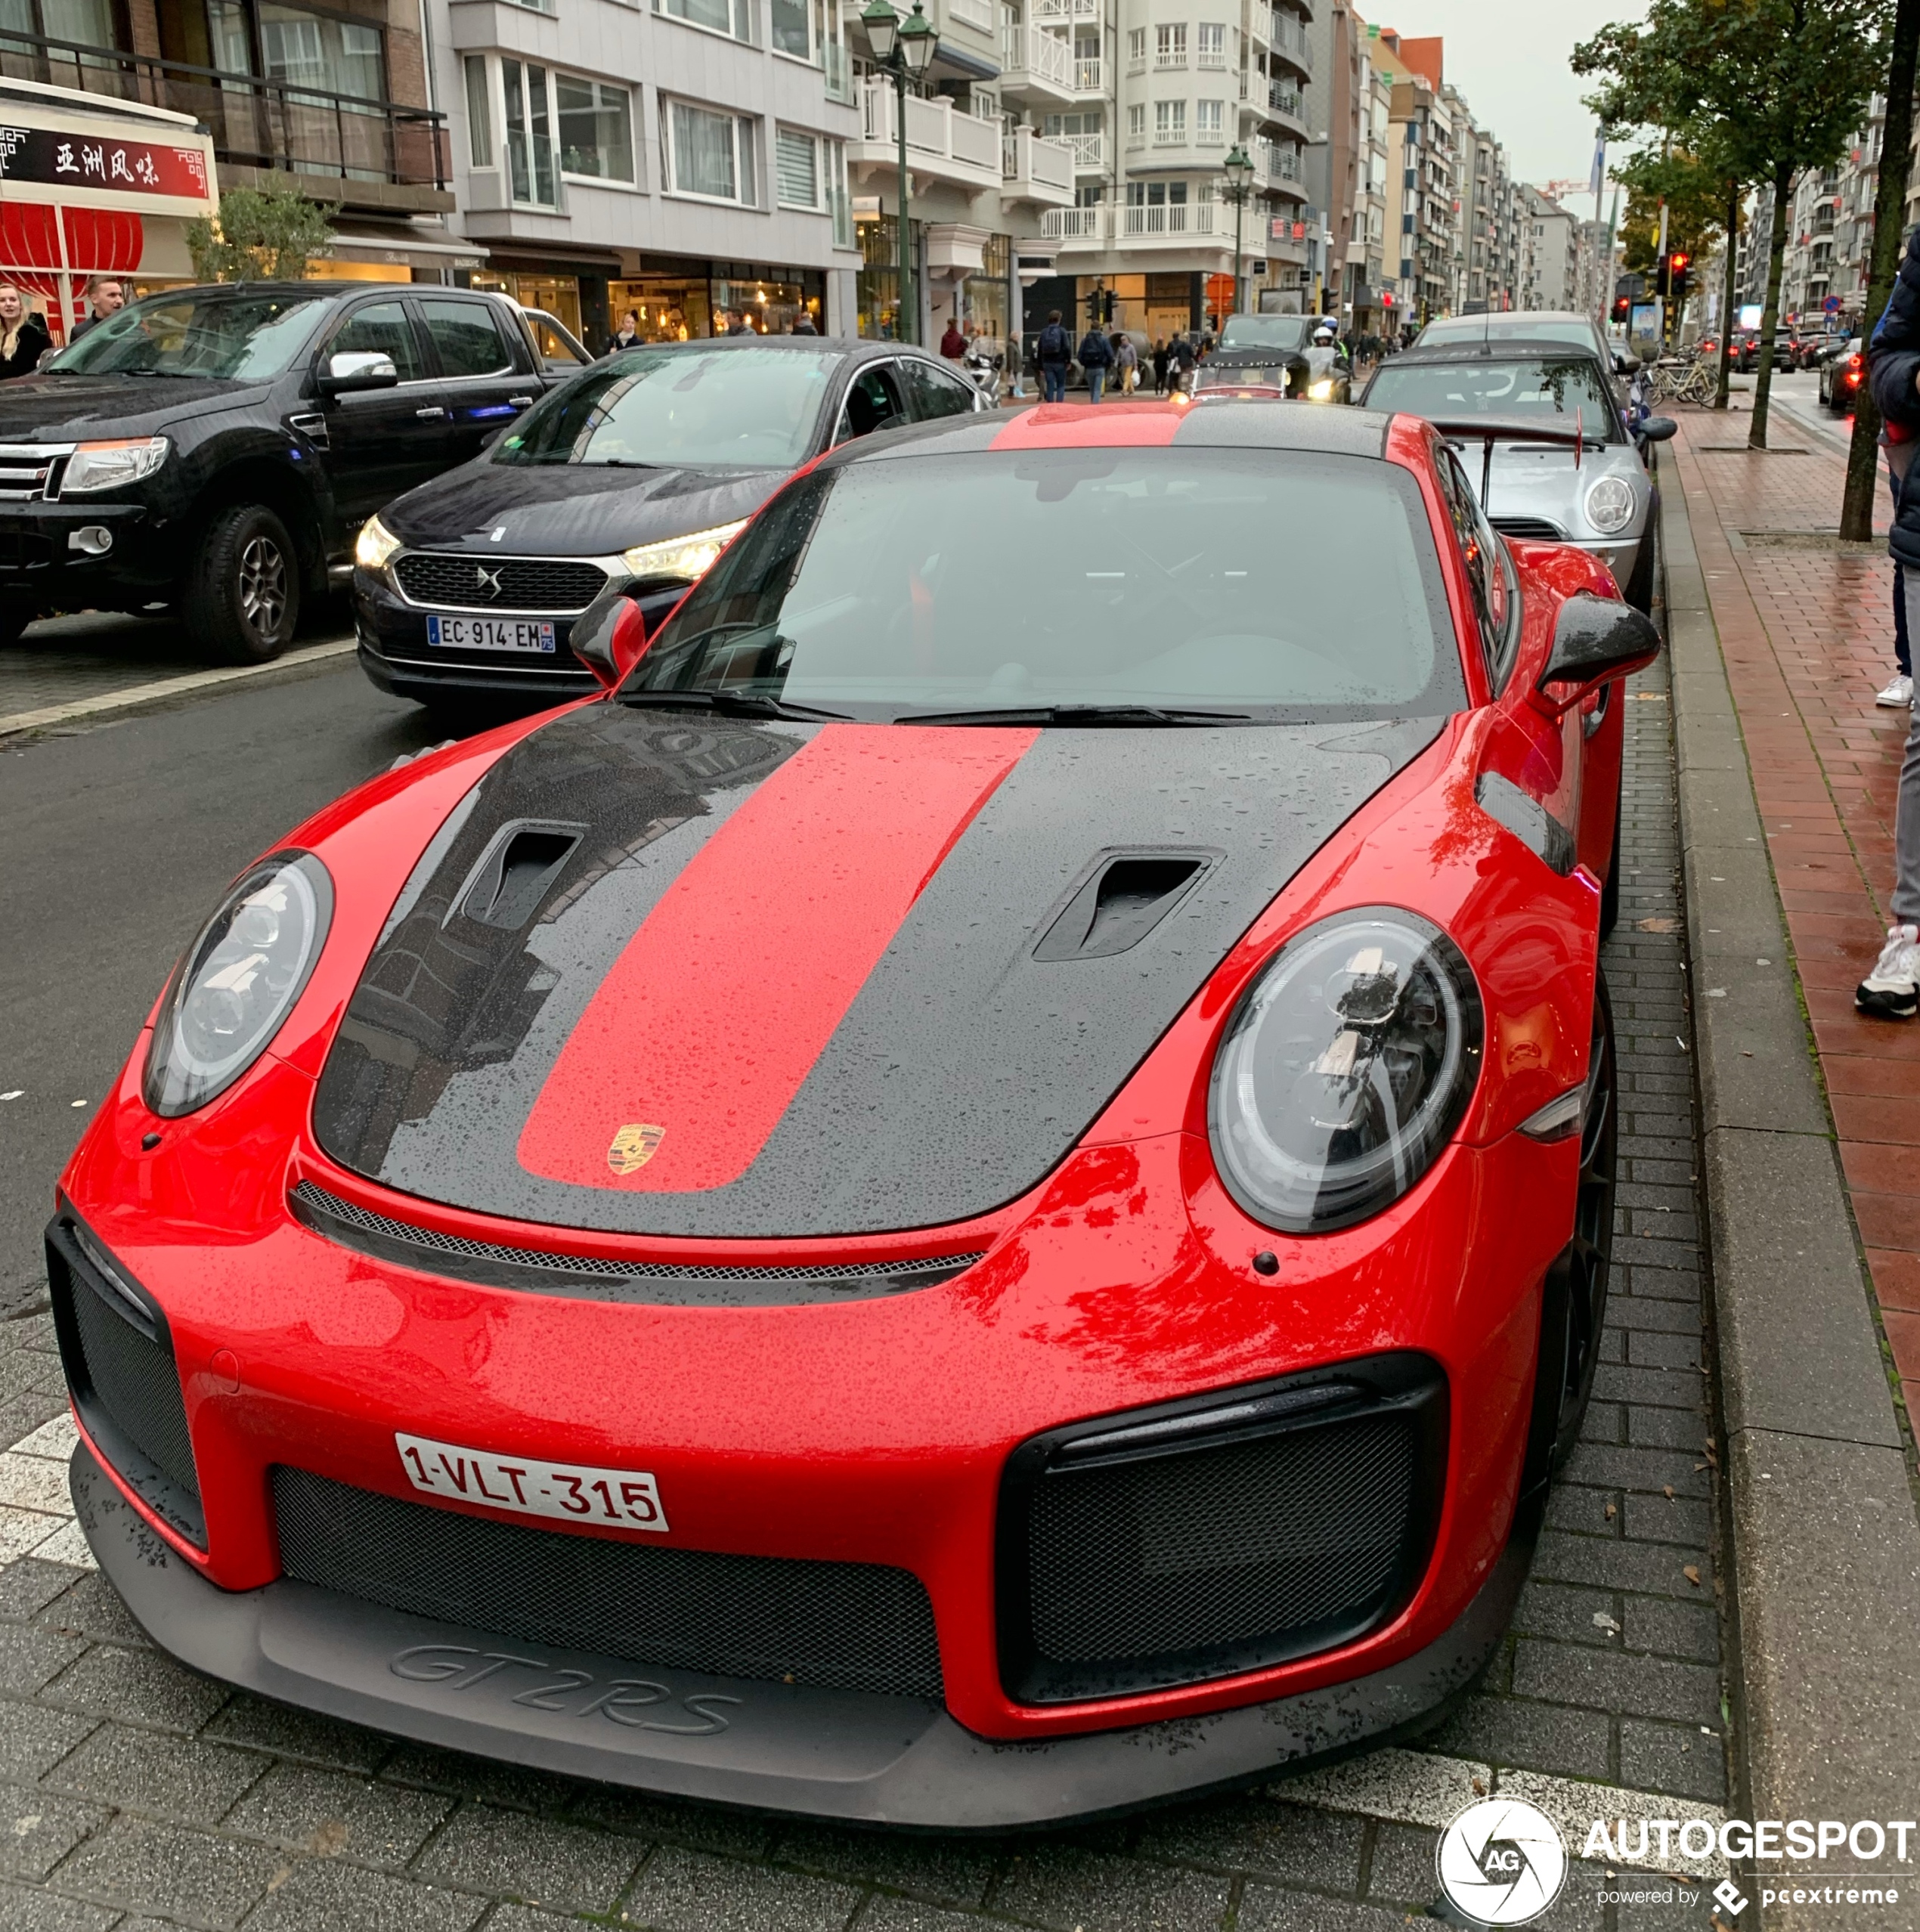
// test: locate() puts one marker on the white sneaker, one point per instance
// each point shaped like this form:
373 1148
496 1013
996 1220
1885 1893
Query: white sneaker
1892 990
1897 695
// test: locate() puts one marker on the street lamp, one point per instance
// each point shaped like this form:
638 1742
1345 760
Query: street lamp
1238 167
901 48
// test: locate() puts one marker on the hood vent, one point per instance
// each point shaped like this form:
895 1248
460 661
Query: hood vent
515 872
1120 900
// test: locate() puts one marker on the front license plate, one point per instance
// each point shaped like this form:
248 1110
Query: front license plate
569 1492
489 634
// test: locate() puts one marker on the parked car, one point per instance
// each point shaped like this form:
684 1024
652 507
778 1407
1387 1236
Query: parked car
984 1195
1840 377
217 450
562 352
635 472
1598 495
1537 326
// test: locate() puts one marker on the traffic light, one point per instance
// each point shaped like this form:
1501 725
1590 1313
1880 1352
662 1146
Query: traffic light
1677 265
1661 270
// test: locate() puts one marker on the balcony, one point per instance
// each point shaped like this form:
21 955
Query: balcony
978 14
1035 169
1089 74
369 154
1089 150
1289 40
1064 10
1036 63
941 142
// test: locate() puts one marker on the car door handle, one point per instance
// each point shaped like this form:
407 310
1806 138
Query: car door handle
520 402
429 415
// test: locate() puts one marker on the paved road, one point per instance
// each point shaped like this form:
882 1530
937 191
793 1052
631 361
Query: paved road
128 1785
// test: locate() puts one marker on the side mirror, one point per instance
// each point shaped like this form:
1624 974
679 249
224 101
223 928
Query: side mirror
358 369
609 636
1657 429
1595 640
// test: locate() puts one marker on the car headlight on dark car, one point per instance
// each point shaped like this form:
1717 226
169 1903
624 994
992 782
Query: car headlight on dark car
238 982
1345 1071
107 466
683 558
374 545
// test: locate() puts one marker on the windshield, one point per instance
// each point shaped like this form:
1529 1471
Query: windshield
1526 385
1515 328
1280 332
198 333
1136 578
699 408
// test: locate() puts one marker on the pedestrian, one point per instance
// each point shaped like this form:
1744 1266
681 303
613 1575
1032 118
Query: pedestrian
953 344
1053 352
627 335
1096 358
106 296
803 324
1181 360
741 325
1159 365
1891 991
1126 359
23 336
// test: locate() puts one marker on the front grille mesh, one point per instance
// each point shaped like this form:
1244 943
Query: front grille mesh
1264 1544
135 1381
321 1206
858 1627
546 584
1529 529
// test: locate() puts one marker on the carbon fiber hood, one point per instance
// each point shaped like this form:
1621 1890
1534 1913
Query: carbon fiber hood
956 1070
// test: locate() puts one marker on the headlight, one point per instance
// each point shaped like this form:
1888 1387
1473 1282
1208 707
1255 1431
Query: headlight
1610 505
1320 391
683 557
1345 1071
374 545
107 466
238 983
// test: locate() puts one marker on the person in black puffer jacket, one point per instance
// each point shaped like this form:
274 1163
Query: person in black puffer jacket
1892 990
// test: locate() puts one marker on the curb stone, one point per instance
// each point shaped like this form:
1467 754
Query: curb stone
1825 1541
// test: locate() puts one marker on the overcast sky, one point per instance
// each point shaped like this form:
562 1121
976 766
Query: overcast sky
1509 58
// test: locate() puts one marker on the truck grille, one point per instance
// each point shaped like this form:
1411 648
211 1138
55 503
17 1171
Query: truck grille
858 1627
118 1354
26 470
551 586
1156 1548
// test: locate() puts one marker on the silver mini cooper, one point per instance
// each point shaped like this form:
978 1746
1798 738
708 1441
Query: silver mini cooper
1592 489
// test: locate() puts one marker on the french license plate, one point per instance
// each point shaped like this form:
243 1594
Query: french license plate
489 634
569 1492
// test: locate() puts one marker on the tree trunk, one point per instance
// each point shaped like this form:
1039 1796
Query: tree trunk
1730 288
1769 320
1889 218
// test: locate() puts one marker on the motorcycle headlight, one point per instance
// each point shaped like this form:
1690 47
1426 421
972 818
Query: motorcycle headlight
1345 1071
374 545
1320 391
107 466
683 557
238 982
1610 505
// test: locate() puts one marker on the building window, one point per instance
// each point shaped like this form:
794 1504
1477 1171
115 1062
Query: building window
479 114
317 51
839 202
790 27
712 155
1136 47
736 19
797 169
596 129
1211 48
1210 118
1136 124
1169 123
532 175
1170 45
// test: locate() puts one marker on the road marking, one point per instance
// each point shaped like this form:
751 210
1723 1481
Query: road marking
137 696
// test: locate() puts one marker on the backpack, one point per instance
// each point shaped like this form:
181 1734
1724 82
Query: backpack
1054 346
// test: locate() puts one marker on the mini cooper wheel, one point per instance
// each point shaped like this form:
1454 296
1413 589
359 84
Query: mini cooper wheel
243 597
1589 1255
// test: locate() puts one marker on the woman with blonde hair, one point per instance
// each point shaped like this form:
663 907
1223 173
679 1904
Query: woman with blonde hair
24 337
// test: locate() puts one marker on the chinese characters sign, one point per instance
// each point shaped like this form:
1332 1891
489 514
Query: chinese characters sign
42 155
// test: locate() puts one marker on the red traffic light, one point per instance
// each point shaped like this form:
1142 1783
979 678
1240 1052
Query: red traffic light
1679 258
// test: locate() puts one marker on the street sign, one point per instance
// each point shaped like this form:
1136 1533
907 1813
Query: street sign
1831 305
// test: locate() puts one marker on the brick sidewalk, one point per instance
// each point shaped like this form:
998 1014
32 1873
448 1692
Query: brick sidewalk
1805 630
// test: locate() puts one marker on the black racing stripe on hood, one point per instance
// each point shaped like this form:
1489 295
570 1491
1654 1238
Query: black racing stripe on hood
966 1069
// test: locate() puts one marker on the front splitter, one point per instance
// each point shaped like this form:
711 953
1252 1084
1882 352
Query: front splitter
838 1754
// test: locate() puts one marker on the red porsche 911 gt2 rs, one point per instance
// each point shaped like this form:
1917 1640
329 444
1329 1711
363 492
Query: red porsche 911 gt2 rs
981 1196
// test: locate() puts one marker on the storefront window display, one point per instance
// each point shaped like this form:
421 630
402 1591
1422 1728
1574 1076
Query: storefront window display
983 296
669 309
878 281
768 308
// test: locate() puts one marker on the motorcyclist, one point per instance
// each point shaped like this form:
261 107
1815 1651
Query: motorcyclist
1324 363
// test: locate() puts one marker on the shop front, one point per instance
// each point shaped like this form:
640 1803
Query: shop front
92 186
709 298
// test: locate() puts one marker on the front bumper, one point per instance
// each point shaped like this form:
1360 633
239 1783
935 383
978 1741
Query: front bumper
41 570
840 1754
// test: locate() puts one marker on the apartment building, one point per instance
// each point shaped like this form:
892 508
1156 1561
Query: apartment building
1807 270
1346 165
1484 220
1550 253
1162 90
1420 196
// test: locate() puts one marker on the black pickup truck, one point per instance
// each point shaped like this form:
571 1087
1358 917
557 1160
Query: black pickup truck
217 450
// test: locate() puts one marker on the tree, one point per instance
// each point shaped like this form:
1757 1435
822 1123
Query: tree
262 234
1695 196
1889 219
1764 88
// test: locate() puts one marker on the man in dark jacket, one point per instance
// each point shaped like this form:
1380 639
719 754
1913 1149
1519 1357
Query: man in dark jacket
1053 352
1096 358
1892 990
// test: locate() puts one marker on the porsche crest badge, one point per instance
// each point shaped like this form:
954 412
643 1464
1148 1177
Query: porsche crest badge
633 1147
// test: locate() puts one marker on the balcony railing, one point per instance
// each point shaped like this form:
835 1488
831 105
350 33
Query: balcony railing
1088 75
1165 58
973 13
1029 162
1089 149
1065 10
254 123
1027 55
1284 100
941 140
1190 217
1074 224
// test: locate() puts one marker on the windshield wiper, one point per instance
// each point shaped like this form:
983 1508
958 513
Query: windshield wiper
1076 714
732 704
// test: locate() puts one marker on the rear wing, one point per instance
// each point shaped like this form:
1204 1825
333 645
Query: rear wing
1488 430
